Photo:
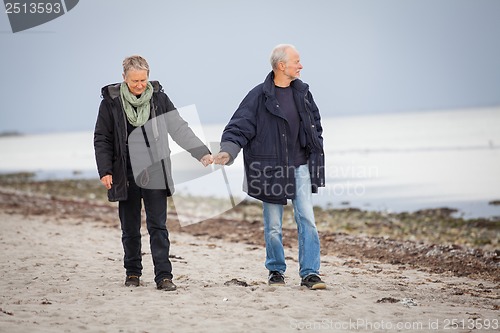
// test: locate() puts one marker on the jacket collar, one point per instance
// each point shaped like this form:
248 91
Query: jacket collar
297 84
112 91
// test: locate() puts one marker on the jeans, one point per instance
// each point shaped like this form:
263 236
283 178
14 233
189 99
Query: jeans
155 204
309 247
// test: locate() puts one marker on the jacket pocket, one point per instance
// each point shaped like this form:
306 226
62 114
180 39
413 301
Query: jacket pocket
268 181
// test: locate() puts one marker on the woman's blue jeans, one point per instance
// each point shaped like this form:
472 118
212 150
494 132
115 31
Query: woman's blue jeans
155 205
309 247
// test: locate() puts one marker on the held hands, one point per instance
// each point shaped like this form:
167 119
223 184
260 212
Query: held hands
222 158
207 160
107 180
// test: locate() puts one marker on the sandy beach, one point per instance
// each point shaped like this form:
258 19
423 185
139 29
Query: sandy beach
62 272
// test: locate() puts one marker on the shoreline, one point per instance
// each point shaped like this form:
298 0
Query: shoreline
431 240
457 211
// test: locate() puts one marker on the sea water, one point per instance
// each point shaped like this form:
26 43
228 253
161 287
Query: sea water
386 162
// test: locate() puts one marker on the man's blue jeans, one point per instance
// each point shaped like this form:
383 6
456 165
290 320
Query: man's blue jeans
155 204
309 247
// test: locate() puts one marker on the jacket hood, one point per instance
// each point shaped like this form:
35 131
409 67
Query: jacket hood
112 91
297 84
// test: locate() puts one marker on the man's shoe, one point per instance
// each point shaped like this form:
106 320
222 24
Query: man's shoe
313 282
276 279
132 281
166 284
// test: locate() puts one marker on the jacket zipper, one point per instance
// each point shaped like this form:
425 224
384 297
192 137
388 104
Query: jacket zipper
125 135
313 127
285 137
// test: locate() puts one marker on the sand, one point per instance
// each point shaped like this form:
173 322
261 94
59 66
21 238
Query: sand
66 275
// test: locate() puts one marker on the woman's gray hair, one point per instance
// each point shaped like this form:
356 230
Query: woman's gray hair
279 54
135 62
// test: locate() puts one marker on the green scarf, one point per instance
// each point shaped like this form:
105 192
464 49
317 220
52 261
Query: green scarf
141 104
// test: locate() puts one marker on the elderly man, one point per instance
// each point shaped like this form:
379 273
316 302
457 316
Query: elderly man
278 127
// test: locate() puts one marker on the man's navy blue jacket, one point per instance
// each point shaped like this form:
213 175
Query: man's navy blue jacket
259 128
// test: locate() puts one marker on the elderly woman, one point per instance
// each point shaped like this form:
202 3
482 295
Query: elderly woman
126 106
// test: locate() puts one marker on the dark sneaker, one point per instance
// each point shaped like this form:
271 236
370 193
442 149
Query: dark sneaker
313 282
276 279
166 284
132 281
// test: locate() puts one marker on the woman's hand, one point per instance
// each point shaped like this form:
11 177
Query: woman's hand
107 181
207 160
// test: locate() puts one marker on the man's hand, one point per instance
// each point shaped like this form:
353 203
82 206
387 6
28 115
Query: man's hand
222 158
107 181
207 160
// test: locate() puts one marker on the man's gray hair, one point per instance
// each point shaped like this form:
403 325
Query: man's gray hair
135 62
279 54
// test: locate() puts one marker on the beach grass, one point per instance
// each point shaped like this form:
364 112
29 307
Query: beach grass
434 226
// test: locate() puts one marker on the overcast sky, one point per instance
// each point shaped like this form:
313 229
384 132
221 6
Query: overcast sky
359 57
